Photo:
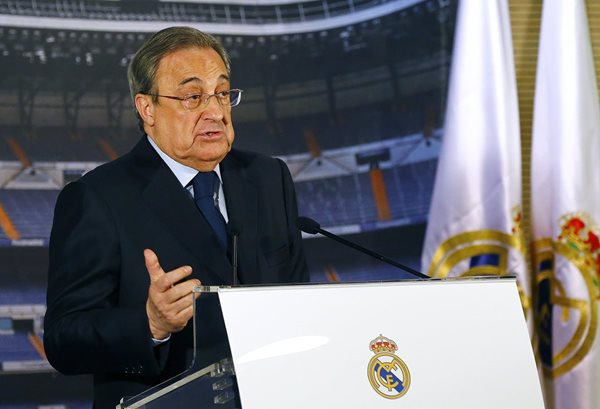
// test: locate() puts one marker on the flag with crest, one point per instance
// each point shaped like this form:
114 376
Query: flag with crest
475 220
565 179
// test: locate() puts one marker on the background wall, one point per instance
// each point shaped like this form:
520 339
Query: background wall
351 94
356 110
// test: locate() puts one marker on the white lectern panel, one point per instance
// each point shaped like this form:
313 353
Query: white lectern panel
453 344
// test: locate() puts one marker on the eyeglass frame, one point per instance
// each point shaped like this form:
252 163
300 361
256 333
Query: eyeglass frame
186 98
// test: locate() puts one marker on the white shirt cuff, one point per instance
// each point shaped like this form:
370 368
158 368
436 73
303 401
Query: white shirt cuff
160 341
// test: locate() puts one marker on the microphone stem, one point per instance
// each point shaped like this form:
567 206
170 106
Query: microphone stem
371 253
235 260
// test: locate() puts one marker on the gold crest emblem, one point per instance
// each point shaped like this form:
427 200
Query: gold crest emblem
388 374
568 272
486 252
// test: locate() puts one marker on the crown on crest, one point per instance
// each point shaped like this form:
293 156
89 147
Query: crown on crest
383 344
580 233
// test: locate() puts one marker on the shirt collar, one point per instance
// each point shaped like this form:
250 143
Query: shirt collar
183 173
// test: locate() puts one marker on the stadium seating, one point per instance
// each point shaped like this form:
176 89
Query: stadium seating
409 190
30 211
335 201
25 295
17 347
348 200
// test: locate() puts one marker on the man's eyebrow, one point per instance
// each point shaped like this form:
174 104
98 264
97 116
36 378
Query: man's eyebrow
222 77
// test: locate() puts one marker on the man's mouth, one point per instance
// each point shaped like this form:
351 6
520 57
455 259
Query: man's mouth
211 134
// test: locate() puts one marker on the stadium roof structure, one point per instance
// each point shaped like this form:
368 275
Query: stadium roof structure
69 77
218 17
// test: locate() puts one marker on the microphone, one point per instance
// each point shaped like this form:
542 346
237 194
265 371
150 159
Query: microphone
233 231
310 226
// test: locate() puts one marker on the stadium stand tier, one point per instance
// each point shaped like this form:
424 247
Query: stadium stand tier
251 13
330 261
17 347
334 201
30 211
415 32
348 200
26 295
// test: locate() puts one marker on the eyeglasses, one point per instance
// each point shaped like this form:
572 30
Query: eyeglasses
230 97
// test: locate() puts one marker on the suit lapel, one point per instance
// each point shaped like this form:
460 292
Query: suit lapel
242 208
176 211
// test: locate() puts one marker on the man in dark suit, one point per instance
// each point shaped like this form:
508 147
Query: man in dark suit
131 239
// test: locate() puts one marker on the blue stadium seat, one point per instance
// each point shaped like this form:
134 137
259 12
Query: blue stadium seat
348 200
17 347
31 211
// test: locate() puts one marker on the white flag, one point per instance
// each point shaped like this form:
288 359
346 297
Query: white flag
566 207
474 225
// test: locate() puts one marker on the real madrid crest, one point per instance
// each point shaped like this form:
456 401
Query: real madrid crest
388 374
568 279
493 252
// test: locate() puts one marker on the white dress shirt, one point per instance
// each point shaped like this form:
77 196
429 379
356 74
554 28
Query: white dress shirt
185 174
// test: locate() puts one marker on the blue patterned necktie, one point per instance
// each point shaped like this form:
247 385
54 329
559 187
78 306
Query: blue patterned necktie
206 190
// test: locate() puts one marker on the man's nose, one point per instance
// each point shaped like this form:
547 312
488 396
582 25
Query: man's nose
213 109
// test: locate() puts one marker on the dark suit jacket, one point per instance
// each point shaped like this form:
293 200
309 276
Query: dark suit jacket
97 282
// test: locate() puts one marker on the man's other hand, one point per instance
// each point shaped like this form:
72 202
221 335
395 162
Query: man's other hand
169 305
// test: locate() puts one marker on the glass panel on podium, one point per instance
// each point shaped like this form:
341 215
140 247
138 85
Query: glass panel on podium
203 385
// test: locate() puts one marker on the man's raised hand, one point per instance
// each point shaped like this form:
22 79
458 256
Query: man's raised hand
169 305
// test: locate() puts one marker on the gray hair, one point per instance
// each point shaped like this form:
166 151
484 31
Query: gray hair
141 73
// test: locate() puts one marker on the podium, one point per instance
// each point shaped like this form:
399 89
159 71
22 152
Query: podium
440 343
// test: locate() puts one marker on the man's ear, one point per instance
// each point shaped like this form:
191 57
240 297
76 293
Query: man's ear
145 108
